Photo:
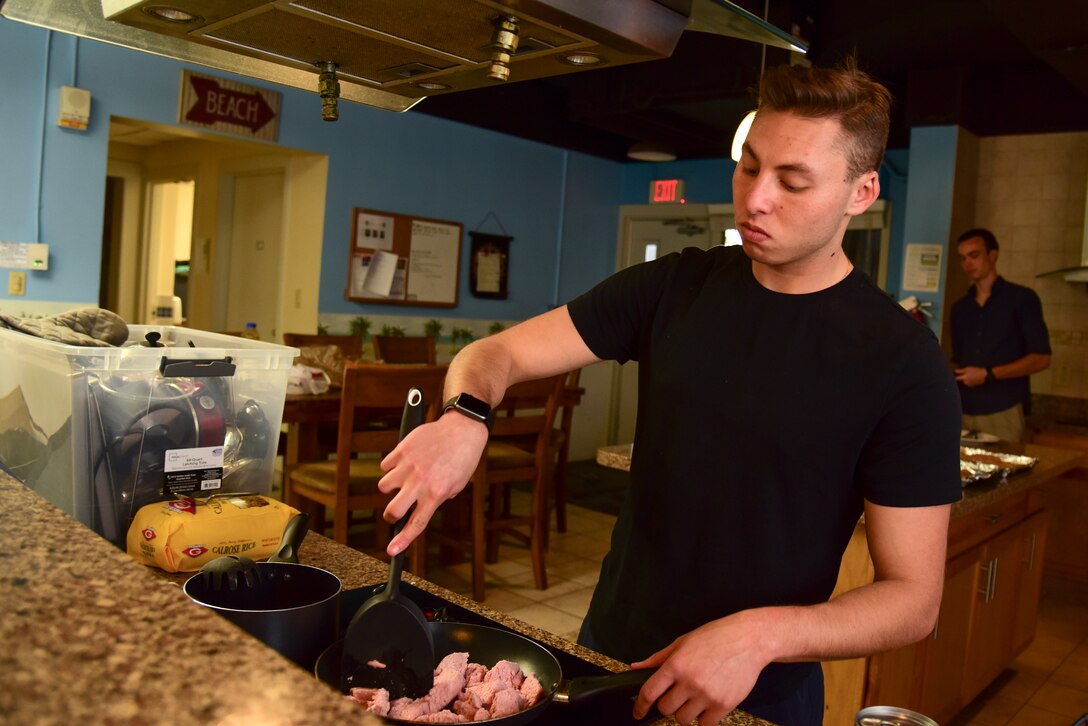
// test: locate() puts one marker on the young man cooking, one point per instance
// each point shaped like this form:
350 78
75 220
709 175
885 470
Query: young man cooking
781 395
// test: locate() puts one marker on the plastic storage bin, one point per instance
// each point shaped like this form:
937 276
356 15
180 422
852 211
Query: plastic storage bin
100 432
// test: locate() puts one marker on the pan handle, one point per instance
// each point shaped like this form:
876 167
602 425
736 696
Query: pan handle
586 687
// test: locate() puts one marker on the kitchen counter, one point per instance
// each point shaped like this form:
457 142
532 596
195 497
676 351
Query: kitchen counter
93 637
1052 463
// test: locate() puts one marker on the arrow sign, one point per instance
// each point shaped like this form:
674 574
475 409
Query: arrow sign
228 106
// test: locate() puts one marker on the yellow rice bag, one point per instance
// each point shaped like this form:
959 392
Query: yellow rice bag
181 535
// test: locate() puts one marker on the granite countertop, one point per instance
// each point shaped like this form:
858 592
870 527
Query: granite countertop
1051 463
92 637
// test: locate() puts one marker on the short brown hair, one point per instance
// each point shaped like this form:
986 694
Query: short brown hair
845 94
982 233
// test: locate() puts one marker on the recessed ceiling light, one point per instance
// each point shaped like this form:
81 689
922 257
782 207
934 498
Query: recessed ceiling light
581 59
169 14
432 86
646 151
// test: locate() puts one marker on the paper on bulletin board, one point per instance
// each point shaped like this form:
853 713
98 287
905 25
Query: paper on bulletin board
432 263
374 231
378 275
922 269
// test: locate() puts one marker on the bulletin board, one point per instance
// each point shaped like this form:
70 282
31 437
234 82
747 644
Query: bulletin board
400 259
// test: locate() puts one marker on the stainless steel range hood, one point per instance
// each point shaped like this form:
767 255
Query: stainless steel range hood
393 53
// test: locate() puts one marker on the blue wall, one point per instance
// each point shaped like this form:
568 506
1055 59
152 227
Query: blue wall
561 207
928 204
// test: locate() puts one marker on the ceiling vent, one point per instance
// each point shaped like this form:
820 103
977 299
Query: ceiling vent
393 53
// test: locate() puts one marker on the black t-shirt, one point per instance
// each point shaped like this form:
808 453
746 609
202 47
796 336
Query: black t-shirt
764 420
1009 326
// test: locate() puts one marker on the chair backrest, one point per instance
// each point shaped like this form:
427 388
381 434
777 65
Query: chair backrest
528 409
372 401
350 345
404 349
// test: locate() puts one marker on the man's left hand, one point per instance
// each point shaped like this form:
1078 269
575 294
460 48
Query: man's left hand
704 674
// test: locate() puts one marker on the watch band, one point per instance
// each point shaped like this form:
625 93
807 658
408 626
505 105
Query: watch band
990 377
472 407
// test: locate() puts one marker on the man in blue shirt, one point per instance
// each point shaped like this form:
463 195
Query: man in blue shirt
999 339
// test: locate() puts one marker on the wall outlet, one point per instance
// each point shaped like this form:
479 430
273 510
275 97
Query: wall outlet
16 283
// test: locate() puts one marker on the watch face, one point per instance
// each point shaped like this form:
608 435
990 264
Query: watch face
473 405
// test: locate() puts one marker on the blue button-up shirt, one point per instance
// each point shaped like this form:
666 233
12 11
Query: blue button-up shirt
1009 326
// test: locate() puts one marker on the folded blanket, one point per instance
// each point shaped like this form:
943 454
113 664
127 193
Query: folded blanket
82 326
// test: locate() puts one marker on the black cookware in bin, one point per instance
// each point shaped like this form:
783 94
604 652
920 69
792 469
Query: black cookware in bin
488 646
292 608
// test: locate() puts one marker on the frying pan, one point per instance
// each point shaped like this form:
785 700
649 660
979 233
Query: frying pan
488 645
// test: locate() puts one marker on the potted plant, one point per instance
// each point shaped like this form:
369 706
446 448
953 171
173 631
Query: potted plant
433 328
360 326
460 337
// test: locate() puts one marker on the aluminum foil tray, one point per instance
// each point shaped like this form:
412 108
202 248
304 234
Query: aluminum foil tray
972 472
979 464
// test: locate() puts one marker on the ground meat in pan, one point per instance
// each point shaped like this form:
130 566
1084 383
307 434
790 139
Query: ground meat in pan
462 692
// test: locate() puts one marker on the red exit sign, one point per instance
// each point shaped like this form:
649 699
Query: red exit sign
667 190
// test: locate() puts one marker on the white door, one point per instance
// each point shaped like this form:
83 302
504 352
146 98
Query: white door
256 240
168 242
647 238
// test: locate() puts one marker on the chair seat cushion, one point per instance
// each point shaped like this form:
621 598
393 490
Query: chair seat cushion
501 455
362 478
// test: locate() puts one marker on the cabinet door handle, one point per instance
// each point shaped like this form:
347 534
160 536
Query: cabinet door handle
993 518
985 589
937 626
993 582
1031 552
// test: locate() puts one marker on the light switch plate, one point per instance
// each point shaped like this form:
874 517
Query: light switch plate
16 283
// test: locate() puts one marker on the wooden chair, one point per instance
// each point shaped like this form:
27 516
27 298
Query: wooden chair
404 349
528 410
350 345
571 397
350 482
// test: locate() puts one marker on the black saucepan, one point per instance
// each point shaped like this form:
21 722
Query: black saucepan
292 608
488 646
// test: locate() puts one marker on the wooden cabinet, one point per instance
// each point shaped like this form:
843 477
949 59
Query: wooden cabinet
993 610
1067 501
943 654
987 617
1034 547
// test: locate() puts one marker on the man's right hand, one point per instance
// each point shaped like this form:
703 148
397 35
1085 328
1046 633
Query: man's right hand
432 464
971 376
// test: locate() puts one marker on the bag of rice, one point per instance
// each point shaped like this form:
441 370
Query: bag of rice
182 535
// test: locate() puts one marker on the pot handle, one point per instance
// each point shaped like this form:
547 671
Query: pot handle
585 688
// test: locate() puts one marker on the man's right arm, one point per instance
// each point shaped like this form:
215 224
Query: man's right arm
435 461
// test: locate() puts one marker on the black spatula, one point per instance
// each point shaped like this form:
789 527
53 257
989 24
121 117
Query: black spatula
388 644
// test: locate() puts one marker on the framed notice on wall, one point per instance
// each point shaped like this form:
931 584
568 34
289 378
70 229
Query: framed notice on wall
399 259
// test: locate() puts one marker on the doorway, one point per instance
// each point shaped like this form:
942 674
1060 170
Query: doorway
281 189
167 250
648 232
256 236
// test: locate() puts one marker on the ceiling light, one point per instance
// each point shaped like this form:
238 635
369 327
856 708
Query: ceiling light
432 86
648 151
581 59
741 135
172 15
746 122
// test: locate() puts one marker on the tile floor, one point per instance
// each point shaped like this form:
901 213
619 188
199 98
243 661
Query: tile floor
573 561
1046 686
